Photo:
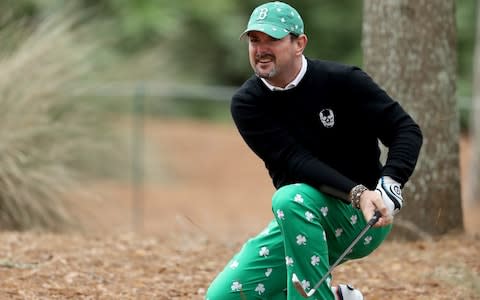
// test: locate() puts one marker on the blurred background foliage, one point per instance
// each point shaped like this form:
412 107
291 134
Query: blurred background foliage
196 41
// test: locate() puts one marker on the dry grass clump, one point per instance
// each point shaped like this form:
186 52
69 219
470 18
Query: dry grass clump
46 136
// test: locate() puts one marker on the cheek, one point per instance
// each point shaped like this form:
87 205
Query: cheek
251 52
251 55
286 55
251 58
280 56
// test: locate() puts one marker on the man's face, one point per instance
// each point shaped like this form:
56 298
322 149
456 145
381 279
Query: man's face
271 58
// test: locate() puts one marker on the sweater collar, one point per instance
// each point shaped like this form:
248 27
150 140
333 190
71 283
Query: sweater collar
294 82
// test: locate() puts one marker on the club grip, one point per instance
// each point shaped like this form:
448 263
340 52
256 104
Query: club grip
375 218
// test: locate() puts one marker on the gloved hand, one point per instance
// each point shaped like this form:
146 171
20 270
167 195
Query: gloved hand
391 194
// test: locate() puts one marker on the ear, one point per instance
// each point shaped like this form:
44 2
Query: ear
301 42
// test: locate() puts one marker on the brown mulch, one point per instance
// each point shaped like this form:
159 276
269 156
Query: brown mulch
48 266
211 195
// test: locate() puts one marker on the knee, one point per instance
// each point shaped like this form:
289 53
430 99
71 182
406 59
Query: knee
298 194
286 197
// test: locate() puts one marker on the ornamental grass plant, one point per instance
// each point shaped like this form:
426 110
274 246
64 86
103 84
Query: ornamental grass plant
49 140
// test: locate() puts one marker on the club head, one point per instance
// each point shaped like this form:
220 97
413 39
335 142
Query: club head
299 287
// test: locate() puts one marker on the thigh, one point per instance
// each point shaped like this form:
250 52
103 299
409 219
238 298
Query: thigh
342 223
257 271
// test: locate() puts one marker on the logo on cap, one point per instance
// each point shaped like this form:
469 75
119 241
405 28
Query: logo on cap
262 14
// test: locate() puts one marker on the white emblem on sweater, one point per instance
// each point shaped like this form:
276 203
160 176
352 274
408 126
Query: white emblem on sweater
327 117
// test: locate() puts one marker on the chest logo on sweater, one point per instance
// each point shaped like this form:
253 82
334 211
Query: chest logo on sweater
327 117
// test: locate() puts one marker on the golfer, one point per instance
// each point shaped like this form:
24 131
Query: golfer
316 125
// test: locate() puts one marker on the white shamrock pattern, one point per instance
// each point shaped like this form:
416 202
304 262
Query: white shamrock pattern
315 260
268 272
264 251
367 240
324 211
288 261
234 265
298 198
236 286
260 289
280 214
309 216
353 219
301 240
338 232
324 236
305 284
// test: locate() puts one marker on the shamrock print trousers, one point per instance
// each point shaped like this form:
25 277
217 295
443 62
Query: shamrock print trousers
309 232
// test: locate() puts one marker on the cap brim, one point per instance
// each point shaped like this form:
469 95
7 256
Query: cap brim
267 29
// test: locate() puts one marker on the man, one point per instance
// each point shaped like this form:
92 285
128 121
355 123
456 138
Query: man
316 126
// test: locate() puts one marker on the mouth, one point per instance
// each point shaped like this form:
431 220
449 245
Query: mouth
265 59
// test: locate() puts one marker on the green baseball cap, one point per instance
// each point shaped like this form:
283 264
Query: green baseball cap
277 19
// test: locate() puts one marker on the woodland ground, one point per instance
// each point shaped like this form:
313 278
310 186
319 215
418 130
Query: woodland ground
204 194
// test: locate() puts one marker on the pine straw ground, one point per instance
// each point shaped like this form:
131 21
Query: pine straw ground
194 219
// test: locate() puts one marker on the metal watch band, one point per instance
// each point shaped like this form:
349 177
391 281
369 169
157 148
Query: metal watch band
355 194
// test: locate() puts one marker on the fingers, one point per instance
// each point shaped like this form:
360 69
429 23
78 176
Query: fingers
371 201
386 218
384 221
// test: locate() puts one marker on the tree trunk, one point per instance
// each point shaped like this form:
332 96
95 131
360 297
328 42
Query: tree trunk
410 50
473 193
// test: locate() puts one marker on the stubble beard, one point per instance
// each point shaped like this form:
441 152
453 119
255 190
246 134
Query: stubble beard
266 75
262 73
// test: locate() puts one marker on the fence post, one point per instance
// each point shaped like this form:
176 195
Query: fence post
138 162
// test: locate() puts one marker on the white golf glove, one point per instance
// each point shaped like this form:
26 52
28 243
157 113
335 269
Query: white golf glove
391 193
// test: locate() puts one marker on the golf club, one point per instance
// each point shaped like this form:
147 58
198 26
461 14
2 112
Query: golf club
298 284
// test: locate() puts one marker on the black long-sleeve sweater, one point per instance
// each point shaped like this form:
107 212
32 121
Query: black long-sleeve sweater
325 131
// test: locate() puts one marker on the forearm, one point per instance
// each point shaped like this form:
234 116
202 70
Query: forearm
403 154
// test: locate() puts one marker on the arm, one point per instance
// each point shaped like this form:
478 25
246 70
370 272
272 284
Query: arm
390 123
396 130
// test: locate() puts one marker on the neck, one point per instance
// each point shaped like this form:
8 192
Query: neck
283 81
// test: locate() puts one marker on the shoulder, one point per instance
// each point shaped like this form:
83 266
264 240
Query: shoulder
342 75
249 91
329 67
333 74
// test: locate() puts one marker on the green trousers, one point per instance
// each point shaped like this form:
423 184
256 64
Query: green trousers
309 232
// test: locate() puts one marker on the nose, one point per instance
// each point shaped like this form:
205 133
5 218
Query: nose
260 47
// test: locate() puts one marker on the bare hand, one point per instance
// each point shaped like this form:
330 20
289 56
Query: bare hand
370 201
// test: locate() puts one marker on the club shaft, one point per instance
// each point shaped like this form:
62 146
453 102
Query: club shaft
370 223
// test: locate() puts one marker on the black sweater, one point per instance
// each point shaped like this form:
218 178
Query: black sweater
294 133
